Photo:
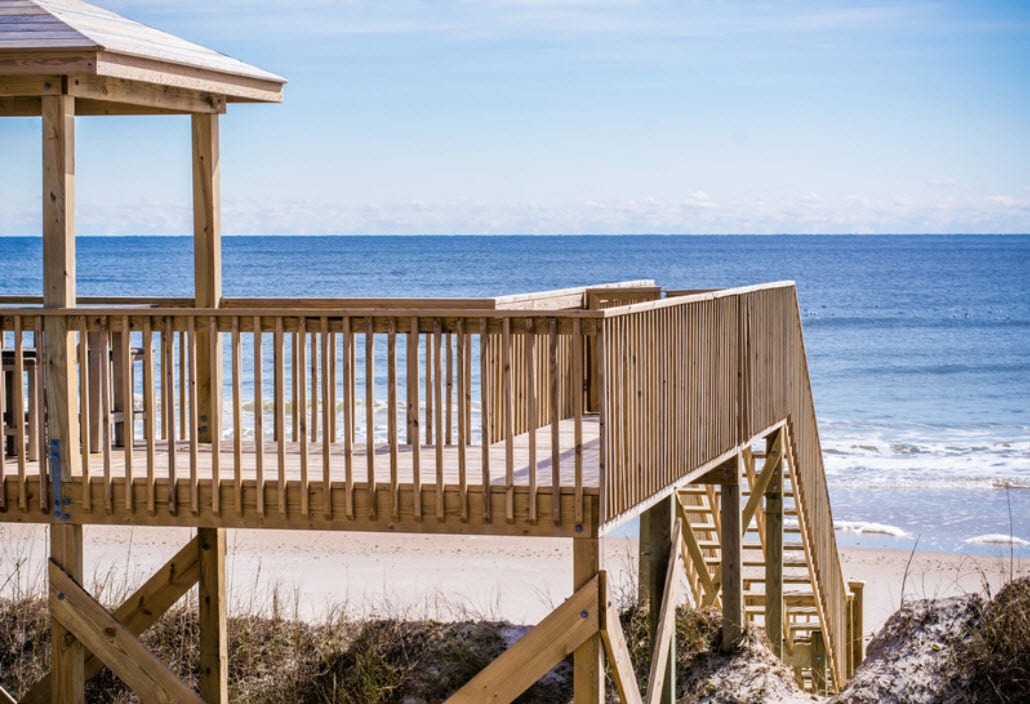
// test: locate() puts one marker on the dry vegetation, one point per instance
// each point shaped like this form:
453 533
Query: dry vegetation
958 650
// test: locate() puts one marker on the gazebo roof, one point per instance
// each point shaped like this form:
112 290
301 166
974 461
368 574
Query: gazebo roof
102 57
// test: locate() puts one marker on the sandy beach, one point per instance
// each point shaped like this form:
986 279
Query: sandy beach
445 577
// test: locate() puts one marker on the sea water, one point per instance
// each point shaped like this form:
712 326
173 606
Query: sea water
918 346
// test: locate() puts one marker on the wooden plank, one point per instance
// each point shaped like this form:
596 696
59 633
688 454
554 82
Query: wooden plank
555 410
531 419
774 556
438 400
193 410
462 412
112 642
279 393
237 415
300 412
413 414
128 415
348 415
328 410
660 529
214 422
58 129
214 637
757 489
509 421
168 404
370 403
534 654
391 411
588 658
664 638
577 411
140 611
147 95
615 646
19 411
149 414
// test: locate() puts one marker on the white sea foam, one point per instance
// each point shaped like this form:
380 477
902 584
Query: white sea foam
870 528
997 539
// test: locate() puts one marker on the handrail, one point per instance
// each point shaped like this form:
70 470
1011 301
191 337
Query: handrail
692 377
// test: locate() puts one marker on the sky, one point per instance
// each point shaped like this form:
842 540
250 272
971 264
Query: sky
577 116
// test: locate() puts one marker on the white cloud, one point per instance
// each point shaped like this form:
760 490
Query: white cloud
942 182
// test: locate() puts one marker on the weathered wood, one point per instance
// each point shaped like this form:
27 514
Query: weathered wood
214 638
588 658
774 551
112 642
563 631
857 588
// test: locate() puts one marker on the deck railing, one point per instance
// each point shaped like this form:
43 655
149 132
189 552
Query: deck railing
689 378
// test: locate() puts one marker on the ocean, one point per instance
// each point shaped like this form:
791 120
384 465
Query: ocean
918 346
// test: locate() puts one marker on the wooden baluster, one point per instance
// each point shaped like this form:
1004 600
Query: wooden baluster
128 404
18 417
462 429
215 412
530 400
259 419
237 415
577 412
391 421
414 436
3 427
183 380
87 498
429 392
38 417
295 411
149 421
449 389
168 403
509 429
484 413
194 412
555 420
301 410
313 423
279 351
348 415
328 412
438 395
105 410
370 398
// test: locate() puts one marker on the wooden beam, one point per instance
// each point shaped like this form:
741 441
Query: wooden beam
663 641
819 680
615 646
147 95
588 659
214 639
141 610
61 391
708 586
656 535
773 460
563 630
6 698
732 559
857 607
137 667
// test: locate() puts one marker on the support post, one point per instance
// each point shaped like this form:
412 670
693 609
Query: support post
818 663
857 643
207 262
214 641
62 400
655 541
774 554
588 659
732 559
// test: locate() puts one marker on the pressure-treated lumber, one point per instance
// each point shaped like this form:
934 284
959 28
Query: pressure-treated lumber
214 638
615 646
141 610
114 644
857 588
588 659
732 558
563 630
207 262
656 537
773 491
62 401
663 641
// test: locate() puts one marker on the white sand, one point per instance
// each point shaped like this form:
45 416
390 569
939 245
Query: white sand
518 579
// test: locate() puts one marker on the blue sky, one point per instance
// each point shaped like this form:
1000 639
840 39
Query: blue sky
569 116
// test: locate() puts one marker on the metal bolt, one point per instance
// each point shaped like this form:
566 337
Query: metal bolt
67 516
579 528
67 500
584 614
60 596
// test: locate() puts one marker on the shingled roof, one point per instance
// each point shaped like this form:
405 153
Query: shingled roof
74 38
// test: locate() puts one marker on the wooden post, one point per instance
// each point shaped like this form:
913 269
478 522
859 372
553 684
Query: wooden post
818 663
207 261
732 559
588 659
214 644
655 541
62 400
774 555
857 643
